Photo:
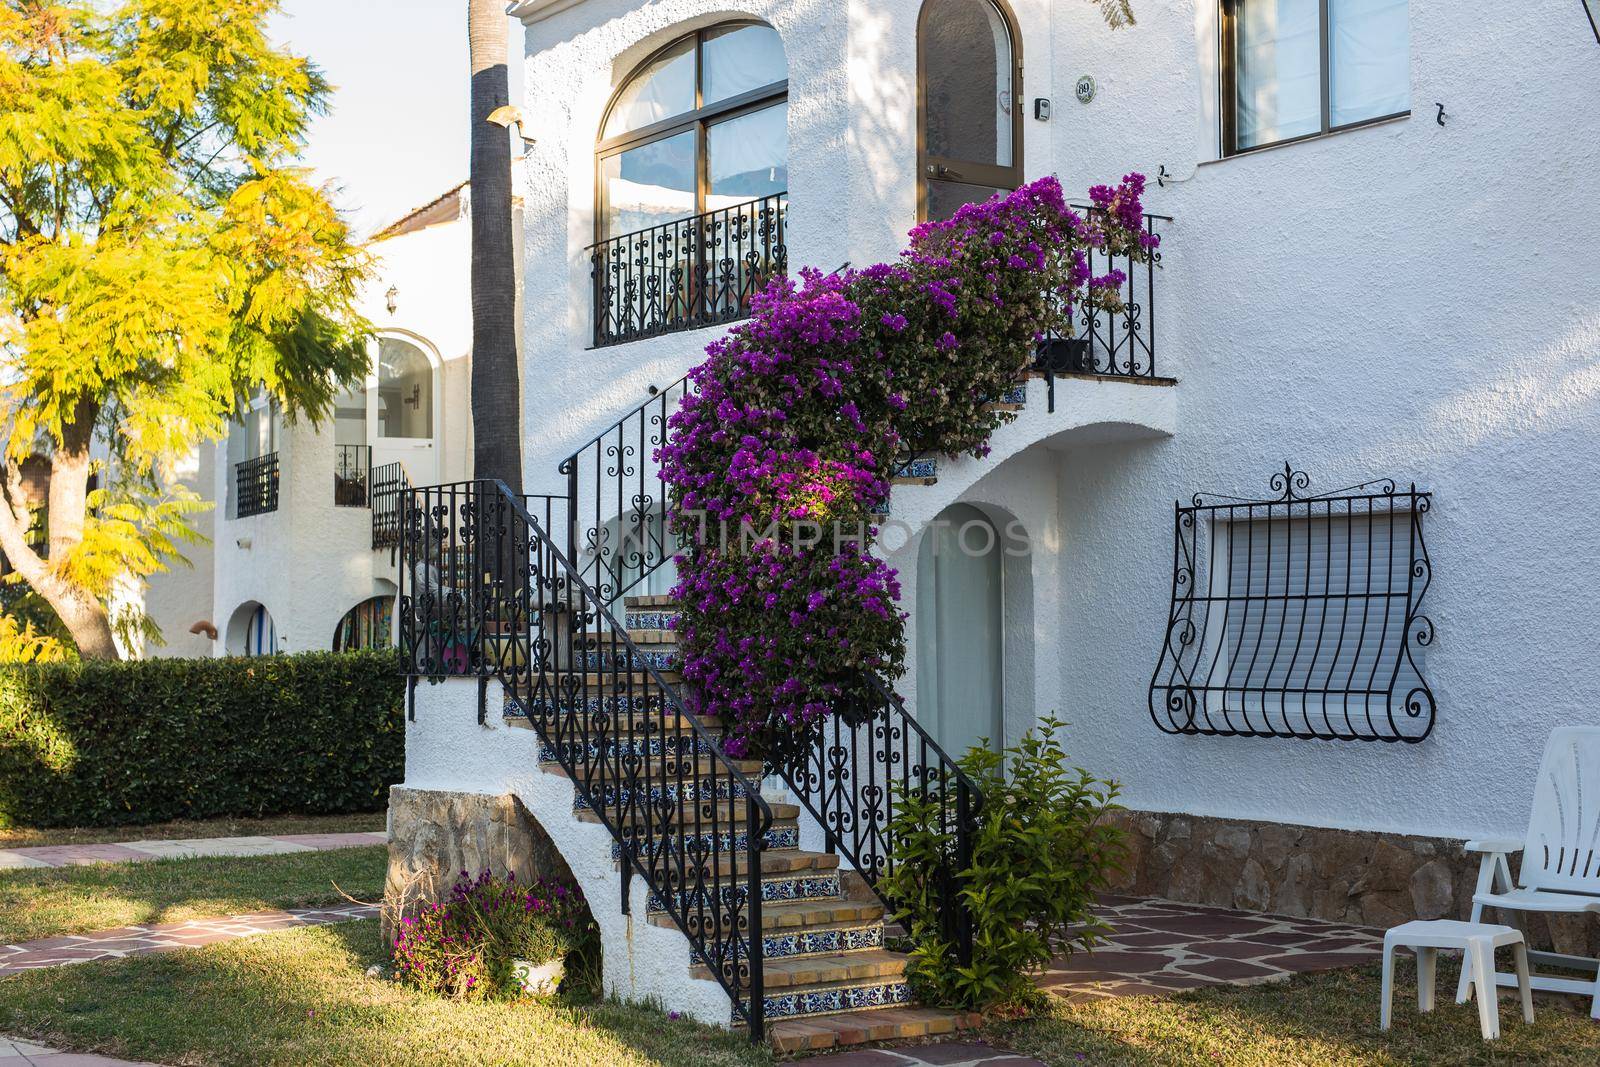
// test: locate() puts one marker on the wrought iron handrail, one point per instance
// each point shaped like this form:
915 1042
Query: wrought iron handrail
681 275
255 483
388 486
616 497
1120 344
486 593
850 778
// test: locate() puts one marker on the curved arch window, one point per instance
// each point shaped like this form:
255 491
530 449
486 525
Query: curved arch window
701 125
969 119
405 390
367 625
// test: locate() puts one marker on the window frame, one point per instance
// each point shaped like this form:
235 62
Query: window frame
699 120
994 176
1227 65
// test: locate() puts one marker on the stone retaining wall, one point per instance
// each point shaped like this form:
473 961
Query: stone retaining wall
1374 879
434 835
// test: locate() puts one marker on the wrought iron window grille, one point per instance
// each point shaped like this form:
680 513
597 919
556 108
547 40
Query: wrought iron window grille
256 486
352 466
1298 616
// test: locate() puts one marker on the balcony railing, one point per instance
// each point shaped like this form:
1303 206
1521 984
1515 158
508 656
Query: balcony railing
352 464
255 486
699 271
1121 344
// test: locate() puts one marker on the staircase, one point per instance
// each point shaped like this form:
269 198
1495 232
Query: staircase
827 978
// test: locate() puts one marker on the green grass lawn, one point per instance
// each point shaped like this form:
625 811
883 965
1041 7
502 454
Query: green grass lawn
188 829
42 902
302 996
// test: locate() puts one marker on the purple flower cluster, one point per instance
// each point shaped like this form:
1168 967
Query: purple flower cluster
464 946
794 422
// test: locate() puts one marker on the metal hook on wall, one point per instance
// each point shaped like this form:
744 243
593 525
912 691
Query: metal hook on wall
1440 117
1162 177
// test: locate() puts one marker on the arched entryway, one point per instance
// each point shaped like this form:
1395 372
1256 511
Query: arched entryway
251 631
402 408
960 627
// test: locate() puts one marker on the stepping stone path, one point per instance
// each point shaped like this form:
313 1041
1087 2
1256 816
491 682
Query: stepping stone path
135 851
137 940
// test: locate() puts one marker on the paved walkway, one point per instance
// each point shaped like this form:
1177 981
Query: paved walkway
16 1053
138 940
134 851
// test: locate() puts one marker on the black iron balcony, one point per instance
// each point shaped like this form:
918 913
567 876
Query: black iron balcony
1121 343
352 464
255 486
694 272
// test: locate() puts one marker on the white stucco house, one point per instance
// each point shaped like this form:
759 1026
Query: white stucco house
1375 272
304 525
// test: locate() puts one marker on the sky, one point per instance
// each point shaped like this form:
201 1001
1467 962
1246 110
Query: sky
397 134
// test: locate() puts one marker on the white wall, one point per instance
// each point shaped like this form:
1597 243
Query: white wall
1408 300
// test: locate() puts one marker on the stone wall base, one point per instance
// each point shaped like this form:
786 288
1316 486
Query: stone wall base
1355 876
434 835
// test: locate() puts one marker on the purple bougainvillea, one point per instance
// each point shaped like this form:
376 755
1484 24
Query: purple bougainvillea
785 445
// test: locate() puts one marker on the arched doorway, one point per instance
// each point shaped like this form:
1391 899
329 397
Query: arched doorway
969 105
960 630
370 624
251 631
402 409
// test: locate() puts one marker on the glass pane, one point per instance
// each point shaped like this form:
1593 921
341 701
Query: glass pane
1369 43
741 58
1279 70
946 198
749 156
649 185
405 390
966 54
661 90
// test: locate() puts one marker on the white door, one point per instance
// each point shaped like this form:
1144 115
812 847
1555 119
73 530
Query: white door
960 687
402 409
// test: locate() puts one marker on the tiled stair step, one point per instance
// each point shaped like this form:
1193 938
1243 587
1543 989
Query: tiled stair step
796 916
803 885
809 971
735 865
1017 394
619 681
834 998
639 725
924 471
652 702
813 1034
651 638
646 601
676 770
782 834
657 618
661 659
720 789
641 742
719 816
822 941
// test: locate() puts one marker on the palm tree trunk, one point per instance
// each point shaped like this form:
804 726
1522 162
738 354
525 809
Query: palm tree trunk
496 396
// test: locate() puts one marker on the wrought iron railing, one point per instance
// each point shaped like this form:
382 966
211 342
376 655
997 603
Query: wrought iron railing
616 498
1122 343
389 485
852 779
693 272
351 466
255 486
486 593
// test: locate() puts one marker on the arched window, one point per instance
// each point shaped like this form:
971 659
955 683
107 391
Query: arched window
405 390
701 125
367 625
969 113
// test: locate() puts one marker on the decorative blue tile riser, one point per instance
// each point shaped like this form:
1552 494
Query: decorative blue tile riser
778 837
828 1001
918 468
1017 394
660 659
814 887
677 745
701 790
620 704
818 942
650 620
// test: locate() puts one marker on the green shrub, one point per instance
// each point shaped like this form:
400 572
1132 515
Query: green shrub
104 744
465 946
1042 851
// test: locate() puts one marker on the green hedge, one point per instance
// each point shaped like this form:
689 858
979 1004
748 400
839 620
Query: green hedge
103 744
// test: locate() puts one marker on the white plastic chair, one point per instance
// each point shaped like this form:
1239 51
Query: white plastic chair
1560 869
